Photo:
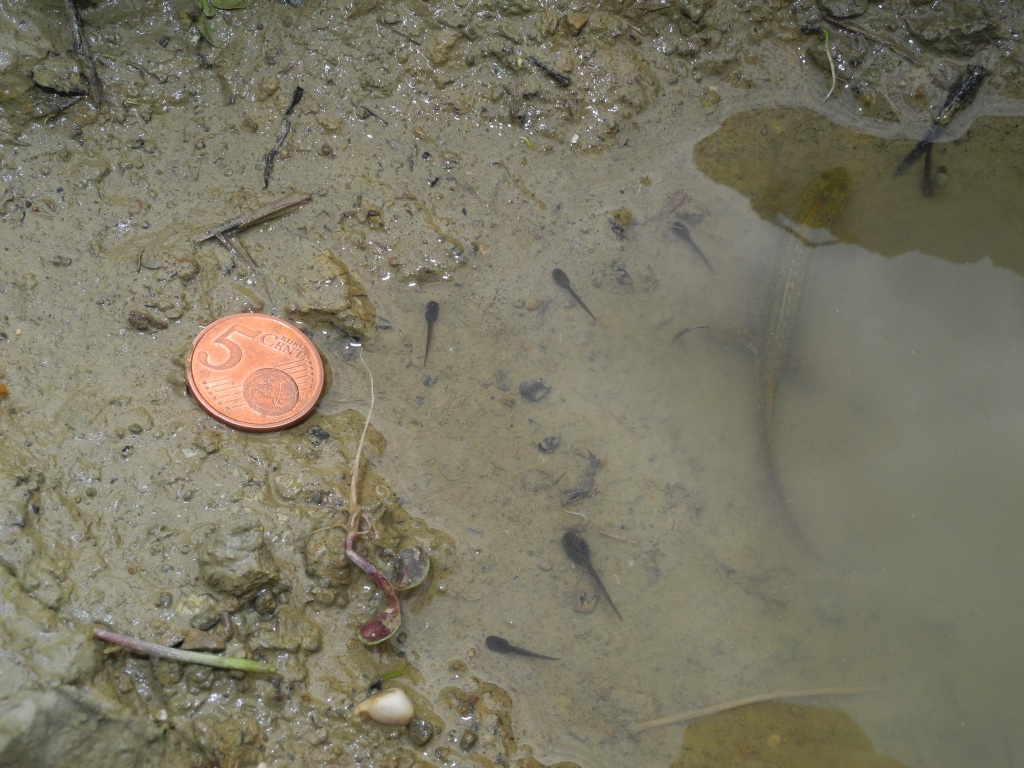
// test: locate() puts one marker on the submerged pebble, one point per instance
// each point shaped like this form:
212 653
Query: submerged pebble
534 390
585 602
549 443
467 740
420 731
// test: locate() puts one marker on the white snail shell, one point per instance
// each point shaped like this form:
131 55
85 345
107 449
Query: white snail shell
392 707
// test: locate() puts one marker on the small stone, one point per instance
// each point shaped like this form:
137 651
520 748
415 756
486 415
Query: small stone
467 740
198 640
710 98
549 443
123 683
576 22
267 88
205 619
694 10
59 74
534 390
144 320
585 602
317 435
265 602
167 672
844 9
237 561
420 731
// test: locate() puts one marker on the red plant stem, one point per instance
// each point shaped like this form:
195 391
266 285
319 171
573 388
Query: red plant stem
176 654
371 570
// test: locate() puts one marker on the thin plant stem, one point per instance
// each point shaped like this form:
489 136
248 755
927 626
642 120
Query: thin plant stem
831 64
176 654
385 624
353 491
714 709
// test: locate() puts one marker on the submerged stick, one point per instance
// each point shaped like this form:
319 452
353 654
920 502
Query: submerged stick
238 250
714 709
960 95
267 212
689 329
176 654
286 128
864 33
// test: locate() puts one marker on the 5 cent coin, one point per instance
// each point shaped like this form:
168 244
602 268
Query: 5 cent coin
255 372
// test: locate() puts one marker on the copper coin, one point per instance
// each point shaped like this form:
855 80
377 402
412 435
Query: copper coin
255 372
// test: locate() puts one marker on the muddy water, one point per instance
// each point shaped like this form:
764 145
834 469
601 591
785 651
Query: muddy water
897 417
898 423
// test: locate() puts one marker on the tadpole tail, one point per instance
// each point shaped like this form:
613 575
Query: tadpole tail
919 149
600 585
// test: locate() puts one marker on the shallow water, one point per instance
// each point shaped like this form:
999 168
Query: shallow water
899 424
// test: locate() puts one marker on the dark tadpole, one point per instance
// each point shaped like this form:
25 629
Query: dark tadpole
433 308
683 234
562 281
578 551
501 645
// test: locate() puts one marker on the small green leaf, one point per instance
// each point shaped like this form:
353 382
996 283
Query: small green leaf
206 30
217 31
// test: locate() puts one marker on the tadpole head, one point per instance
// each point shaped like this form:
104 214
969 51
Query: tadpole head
576 548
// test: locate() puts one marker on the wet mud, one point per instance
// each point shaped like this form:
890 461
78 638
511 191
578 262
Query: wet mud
456 153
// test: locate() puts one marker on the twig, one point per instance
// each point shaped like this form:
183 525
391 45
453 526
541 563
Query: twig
227 233
558 77
689 329
234 245
81 48
960 95
716 708
643 10
232 227
864 33
412 40
176 654
286 123
365 112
